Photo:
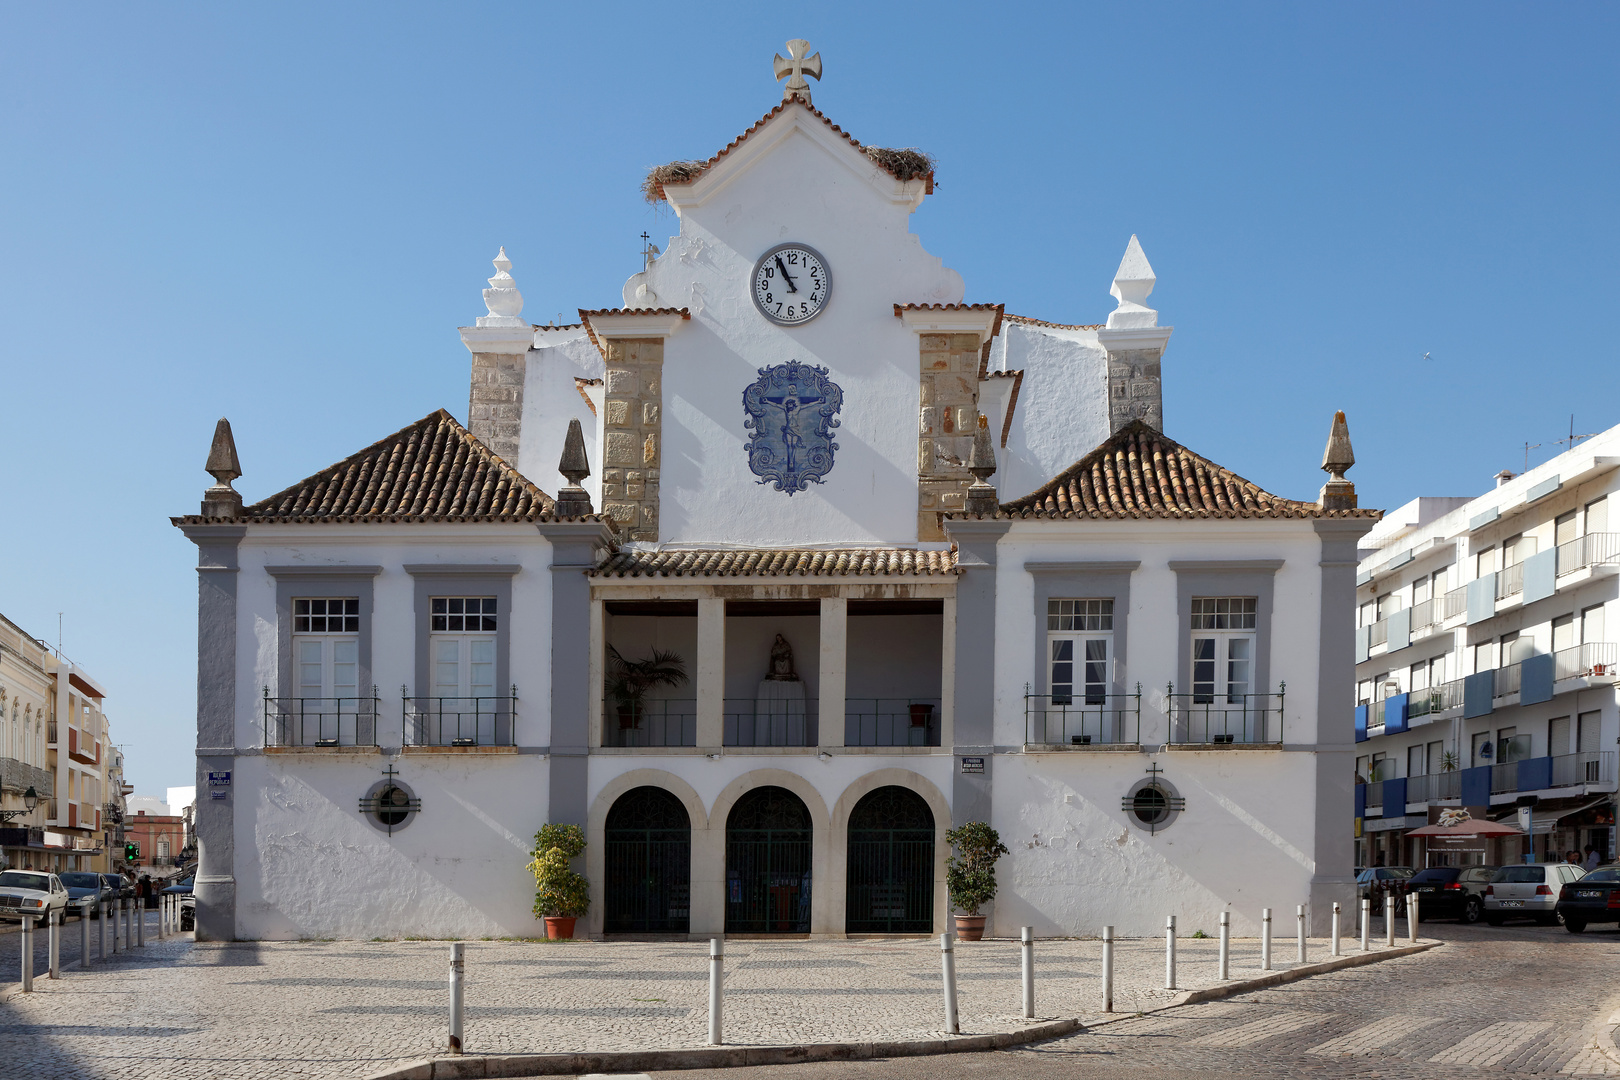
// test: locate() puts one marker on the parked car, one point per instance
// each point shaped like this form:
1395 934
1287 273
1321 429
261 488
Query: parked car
188 912
86 891
1594 898
31 892
122 889
1373 882
1451 892
1528 892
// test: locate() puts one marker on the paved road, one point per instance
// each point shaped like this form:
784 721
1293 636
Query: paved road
11 945
1514 1001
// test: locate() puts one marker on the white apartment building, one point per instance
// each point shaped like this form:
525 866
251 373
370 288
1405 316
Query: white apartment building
1486 663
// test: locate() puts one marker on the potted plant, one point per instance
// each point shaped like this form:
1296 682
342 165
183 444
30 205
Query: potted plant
562 895
629 680
970 874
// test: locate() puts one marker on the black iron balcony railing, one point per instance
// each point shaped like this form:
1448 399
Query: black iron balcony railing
1220 719
460 721
1087 718
650 722
891 721
776 722
321 721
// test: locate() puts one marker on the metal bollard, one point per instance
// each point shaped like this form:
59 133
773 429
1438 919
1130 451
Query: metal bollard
1389 920
1027 948
1169 952
717 958
1366 922
140 921
1336 934
1265 939
948 961
53 927
101 926
129 924
458 975
84 936
1225 971
1412 919
1108 969
28 954
1300 915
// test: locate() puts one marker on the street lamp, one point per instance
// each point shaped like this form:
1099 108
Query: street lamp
30 804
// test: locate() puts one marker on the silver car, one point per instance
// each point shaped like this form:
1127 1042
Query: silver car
1528 892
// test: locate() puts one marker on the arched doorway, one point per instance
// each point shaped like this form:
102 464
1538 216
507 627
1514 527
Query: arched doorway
768 864
891 864
647 848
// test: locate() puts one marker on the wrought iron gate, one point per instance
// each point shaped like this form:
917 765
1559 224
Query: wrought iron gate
648 849
891 864
768 864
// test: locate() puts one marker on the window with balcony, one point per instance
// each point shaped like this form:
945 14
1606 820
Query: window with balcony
1565 528
1592 625
326 645
1563 633
1558 736
1436 757
1080 648
1597 516
1516 549
1485 562
1414 760
465 707
1418 676
1222 648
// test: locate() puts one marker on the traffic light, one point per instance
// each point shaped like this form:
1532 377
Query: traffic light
132 851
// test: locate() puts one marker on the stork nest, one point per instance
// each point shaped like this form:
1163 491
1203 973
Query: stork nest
906 163
676 172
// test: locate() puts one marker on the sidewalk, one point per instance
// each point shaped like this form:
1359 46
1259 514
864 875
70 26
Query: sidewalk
346 1009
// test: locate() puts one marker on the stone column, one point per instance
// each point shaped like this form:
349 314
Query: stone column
974 676
947 418
574 547
500 363
711 673
1134 387
834 669
632 433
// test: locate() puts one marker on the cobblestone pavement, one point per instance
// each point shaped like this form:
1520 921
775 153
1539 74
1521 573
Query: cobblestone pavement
1516 1001
343 1009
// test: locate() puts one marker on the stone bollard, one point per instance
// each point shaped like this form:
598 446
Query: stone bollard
53 927
1412 919
1336 934
101 927
1169 952
717 958
458 975
1108 969
84 935
1265 939
1389 920
1300 916
948 963
1225 971
1026 942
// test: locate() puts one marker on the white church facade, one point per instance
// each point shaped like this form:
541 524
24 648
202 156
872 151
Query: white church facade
766 578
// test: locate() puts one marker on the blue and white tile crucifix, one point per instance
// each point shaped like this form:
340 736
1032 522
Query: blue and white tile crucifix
792 409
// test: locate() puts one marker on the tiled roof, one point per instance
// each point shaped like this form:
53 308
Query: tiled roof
1139 473
768 117
1055 325
587 314
433 470
772 562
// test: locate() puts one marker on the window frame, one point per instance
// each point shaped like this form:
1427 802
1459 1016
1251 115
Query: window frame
1218 578
321 582
1089 581
431 580
1080 658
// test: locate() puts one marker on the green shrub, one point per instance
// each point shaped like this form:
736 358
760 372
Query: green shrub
970 874
561 892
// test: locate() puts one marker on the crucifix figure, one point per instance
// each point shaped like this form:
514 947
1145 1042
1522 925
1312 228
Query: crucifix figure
796 69
791 402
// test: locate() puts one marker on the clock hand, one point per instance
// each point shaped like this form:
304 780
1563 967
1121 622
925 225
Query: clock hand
785 275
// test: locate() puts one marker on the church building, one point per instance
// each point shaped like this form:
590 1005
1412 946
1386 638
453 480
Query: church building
767 576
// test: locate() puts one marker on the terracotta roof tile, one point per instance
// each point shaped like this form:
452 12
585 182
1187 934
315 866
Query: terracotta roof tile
1055 325
1139 473
773 562
587 314
813 111
433 470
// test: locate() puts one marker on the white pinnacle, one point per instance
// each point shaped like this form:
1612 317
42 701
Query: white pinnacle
502 298
1133 283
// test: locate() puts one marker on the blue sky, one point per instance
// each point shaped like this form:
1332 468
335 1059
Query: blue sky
281 214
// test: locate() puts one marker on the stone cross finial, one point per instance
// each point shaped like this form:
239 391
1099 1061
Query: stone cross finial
1338 493
222 500
502 298
573 500
1133 282
981 497
796 69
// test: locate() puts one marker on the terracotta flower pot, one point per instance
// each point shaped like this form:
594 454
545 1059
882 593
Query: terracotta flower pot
627 717
561 927
970 927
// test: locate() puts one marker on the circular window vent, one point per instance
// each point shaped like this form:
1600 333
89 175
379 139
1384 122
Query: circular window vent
1153 804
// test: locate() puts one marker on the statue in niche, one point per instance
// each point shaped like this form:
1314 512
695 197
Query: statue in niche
781 661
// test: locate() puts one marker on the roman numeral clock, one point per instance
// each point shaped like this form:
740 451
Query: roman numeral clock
791 284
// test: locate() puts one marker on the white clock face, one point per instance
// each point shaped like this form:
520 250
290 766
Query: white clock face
791 284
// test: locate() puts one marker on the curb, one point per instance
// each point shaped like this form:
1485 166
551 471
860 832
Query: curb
720 1057
1304 971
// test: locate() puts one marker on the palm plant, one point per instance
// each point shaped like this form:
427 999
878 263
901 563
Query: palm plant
629 680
